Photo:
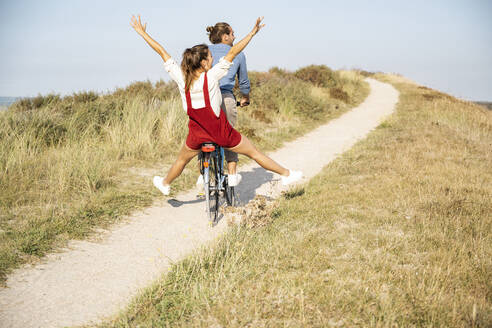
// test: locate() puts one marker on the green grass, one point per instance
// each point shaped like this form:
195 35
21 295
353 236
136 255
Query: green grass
71 164
394 233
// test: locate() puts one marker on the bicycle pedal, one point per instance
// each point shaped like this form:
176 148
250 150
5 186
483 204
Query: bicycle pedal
200 195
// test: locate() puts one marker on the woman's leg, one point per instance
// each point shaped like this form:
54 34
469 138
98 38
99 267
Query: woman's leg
245 147
184 157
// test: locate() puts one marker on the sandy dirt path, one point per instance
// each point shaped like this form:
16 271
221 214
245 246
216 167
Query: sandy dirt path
90 280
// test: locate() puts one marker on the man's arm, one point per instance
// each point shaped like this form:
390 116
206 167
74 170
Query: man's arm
243 81
238 47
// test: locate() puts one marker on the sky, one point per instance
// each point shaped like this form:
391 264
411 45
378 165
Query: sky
61 47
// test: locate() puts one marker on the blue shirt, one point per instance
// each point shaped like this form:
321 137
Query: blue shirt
238 68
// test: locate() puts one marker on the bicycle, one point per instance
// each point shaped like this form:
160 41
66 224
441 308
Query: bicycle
215 181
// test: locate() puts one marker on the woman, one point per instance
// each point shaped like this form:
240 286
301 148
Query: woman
198 84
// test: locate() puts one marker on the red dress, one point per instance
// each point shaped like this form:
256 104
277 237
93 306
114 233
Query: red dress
204 126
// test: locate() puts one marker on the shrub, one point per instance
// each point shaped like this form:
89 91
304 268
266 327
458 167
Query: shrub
37 102
22 105
272 90
49 132
85 97
319 75
166 90
144 89
280 72
26 104
338 93
366 73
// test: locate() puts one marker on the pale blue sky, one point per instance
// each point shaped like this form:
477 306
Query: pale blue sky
73 45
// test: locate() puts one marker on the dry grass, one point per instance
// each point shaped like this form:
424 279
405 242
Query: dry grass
395 233
486 104
71 164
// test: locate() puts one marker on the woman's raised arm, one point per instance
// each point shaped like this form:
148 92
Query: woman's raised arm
238 47
137 25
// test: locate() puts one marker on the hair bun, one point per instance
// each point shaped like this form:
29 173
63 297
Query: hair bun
210 29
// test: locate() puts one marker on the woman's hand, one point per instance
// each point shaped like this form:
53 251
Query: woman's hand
137 25
258 26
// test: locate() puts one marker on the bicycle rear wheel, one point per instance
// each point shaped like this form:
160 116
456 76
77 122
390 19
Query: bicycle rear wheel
205 166
214 192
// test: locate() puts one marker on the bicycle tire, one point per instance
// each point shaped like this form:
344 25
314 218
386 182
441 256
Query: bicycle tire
206 185
214 189
217 191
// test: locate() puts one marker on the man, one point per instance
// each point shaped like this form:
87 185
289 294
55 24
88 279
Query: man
222 38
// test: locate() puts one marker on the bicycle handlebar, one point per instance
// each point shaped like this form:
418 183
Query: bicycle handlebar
238 104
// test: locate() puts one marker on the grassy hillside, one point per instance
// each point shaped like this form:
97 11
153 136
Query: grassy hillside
395 233
71 164
485 104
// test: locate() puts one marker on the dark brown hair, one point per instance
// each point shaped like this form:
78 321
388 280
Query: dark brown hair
192 61
215 32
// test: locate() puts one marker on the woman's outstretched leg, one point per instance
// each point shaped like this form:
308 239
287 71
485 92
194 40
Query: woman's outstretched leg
184 157
247 148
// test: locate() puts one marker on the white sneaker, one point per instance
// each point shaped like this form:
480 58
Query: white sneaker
199 181
234 179
293 176
158 184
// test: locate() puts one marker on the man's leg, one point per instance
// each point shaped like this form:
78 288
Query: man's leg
229 107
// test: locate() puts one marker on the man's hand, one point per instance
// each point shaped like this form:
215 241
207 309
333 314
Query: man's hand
244 101
258 26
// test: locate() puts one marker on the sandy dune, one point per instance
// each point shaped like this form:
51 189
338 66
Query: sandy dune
91 280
